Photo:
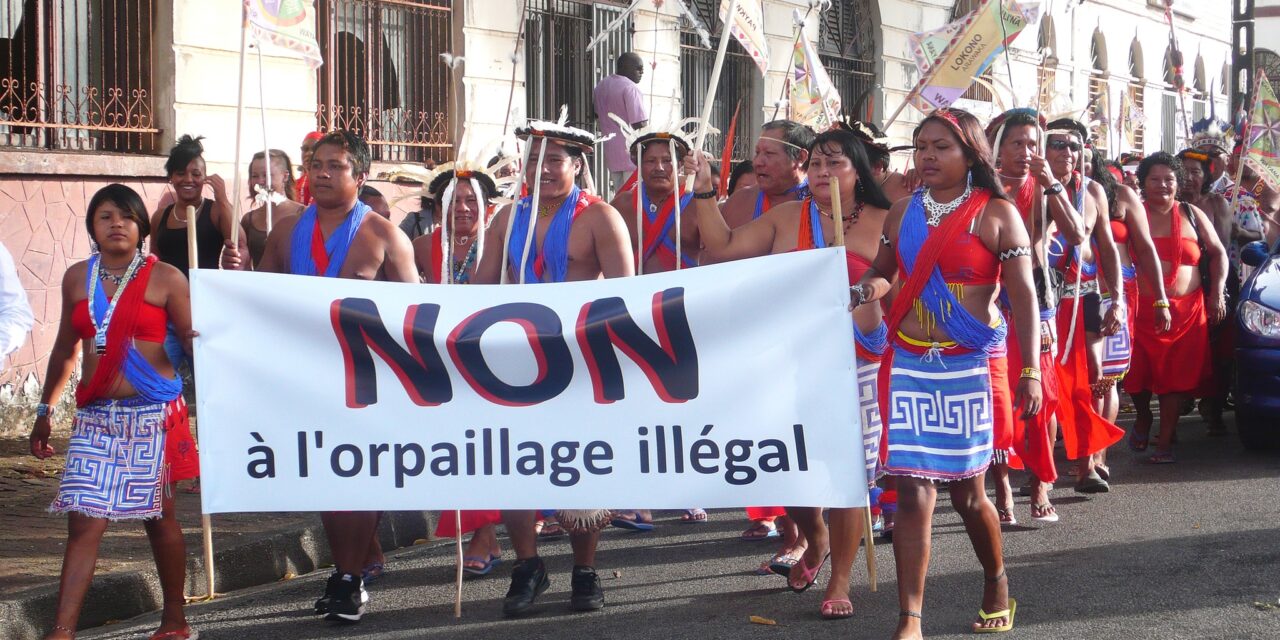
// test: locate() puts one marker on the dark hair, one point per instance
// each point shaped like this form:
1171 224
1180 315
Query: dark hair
973 140
739 170
1007 121
1206 166
367 191
1101 175
355 146
1072 124
797 135
681 149
128 201
1159 158
182 153
877 153
289 189
852 147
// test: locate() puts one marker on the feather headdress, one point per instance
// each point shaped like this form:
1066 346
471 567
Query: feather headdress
561 132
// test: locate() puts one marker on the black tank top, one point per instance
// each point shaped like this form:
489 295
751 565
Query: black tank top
170 245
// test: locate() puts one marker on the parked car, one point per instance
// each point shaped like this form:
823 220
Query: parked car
1257 383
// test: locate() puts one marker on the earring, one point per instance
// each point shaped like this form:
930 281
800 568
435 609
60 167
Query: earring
968 177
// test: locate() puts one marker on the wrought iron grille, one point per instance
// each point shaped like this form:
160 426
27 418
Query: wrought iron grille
846 48
1103 113
77 75
737 81
383 78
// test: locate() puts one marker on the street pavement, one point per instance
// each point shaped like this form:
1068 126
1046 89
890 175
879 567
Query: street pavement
1188 550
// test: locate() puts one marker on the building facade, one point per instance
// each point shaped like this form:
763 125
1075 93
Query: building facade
95 91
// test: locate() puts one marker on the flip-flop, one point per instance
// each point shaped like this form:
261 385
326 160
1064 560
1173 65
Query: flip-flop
633 523
781 565
810 576
487 565
1006 517
1047 512
1003 613
372 572
1162 457
769 530
827 609
694 516
551 530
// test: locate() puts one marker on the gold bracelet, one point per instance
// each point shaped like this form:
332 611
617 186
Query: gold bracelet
1030 373
1161 304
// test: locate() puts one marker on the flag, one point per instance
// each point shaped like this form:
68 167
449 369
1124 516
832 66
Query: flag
1101 118
814 99
747 26
287 24
950 57
1263 151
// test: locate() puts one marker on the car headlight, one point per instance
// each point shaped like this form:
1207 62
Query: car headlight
1260 320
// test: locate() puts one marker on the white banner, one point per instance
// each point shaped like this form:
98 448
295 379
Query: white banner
721 386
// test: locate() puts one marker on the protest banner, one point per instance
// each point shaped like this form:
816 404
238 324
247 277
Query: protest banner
720 386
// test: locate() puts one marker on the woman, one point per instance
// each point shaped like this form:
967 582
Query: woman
972 244
1128 223
186 171
129 405
283 197
468 213
809 224
1174 364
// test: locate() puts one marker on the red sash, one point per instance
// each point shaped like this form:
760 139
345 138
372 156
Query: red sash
938 241
653 231
124 322
318 253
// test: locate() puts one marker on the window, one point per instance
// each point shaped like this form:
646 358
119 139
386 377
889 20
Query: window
1100 99
846 48
737 80
383 78
1137 118
76 75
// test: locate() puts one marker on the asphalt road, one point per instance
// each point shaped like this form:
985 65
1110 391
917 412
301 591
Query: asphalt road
1189 550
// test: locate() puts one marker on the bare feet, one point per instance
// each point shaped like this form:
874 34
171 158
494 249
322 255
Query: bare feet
908 626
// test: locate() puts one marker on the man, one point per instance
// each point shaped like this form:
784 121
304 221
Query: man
1080 322
357 245
653 236
1041 199
376 201
620 94
15 312
574 237
303 184
780 157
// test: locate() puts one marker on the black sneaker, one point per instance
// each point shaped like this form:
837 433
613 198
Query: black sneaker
322 605
587 594
528 581
347 598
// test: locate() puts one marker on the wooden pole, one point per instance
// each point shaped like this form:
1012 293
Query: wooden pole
235 162
266 147
206 524
457 530
705 118
837 214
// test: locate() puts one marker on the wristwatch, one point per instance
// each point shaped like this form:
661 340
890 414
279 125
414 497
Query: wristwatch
858 294
43 410
1054 189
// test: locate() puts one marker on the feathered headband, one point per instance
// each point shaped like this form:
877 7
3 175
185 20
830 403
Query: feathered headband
671 132
561 132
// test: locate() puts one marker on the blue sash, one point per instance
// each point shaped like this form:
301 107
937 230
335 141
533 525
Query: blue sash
337 246
760 196
815 223
651 215
555 244
965 329
150 385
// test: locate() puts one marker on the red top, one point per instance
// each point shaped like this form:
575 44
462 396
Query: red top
1120 231
150 328
1176 249
856 264
968 261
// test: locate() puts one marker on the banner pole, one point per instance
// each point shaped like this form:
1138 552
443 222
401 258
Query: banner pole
206 523
1244 142
705 118
235 161
457 531
266 146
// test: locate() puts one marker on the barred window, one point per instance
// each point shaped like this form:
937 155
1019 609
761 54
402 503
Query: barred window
77 75
383 78
846 48
737 81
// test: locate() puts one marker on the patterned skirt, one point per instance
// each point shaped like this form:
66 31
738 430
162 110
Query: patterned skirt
115 461
869 409
940 416
1117 349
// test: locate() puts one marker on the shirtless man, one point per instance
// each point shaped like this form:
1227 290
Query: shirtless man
780 157
576 237
659 178
360 245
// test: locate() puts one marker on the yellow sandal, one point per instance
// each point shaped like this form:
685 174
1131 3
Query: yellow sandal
1003 613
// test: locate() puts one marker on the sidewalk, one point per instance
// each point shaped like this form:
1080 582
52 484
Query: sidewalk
249 549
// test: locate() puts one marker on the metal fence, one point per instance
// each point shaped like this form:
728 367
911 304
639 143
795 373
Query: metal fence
77 75
383 78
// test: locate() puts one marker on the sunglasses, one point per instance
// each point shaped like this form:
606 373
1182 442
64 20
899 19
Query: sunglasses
1060 145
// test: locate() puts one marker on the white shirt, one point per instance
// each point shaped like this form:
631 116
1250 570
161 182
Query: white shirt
15 312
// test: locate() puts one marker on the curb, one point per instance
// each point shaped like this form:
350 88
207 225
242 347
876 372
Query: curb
126 594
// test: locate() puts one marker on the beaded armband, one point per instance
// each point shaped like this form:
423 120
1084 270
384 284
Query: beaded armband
884 240
1015 252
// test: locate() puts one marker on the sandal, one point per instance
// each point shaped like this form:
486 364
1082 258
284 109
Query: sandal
810 576
373 572
761 530
983 616
1007 519
828 608
1162 457
549 530
783 563
1137 443
1044 512
631 520
185 633
487 563
1103 471
693 516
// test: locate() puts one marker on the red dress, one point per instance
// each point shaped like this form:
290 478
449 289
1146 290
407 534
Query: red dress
1176 361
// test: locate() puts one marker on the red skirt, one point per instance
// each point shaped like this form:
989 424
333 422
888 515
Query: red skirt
471 520
1030 438
1084 432
180 452
765 513
1176 361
